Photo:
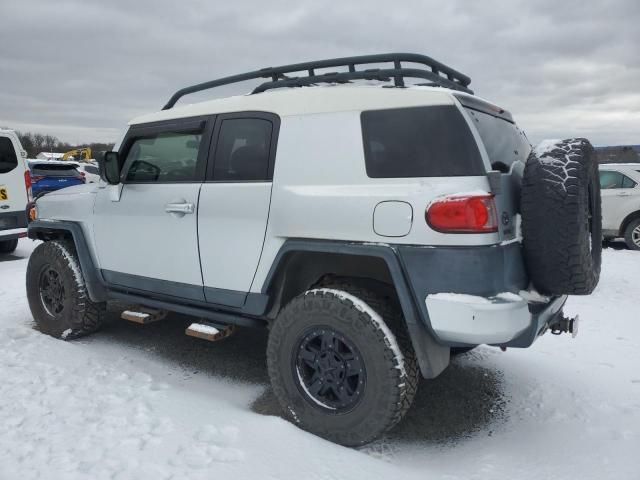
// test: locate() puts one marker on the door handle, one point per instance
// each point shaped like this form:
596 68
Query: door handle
624 194
182 208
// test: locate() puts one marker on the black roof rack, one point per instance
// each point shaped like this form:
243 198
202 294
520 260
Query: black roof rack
436 73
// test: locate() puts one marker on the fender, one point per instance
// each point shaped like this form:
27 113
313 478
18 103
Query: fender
51 229
433 358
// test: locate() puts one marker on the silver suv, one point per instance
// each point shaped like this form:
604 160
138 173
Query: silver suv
621 202
373 231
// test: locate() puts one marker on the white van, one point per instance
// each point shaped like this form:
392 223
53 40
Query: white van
15 188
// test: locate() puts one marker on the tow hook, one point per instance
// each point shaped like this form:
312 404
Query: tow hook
565 325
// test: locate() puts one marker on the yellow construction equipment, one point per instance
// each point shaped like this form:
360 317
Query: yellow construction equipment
79 155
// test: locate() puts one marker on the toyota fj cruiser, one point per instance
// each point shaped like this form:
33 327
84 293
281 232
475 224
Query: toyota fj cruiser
374 231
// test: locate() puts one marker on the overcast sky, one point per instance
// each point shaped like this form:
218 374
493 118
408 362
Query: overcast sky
81 69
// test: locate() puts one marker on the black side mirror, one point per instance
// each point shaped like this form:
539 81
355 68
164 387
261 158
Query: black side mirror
110 168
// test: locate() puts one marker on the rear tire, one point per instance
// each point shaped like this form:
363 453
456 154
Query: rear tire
8 246
632 235
377 392
57 293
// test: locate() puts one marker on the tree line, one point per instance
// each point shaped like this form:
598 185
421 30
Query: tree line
34 143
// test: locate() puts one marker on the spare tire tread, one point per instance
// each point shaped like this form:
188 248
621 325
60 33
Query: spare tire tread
560 257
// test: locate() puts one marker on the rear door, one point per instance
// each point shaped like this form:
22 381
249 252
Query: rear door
13 192
146 236
234 204
620 197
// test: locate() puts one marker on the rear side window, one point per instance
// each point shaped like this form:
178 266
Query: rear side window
504 141
92 170
165 157
419 142
242 150
610 179
8 158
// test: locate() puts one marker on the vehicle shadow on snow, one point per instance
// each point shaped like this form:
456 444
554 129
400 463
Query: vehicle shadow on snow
10 258
465 400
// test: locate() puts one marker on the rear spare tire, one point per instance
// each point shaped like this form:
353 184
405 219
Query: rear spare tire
561 217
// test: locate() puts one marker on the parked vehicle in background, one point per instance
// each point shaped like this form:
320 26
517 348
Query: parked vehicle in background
14 191
90 172
372 230
620 186
50 175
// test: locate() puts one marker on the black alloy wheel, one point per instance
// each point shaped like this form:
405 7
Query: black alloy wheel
329 370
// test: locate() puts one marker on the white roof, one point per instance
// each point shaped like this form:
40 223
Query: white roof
307 100
47 155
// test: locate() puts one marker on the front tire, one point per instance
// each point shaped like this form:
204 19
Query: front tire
632 235
57 293
337 369
8 246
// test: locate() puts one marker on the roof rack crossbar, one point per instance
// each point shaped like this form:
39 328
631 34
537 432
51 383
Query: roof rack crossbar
436 72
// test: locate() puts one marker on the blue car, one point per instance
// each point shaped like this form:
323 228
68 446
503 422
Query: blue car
50 175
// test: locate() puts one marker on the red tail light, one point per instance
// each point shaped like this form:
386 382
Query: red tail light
83 176
463 214
27 184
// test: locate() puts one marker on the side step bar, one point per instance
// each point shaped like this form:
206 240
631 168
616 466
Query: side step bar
210 332
217 317
143 315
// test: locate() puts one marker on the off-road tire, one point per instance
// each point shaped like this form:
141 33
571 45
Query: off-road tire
562 219
78 316
629 233
391 379
8 246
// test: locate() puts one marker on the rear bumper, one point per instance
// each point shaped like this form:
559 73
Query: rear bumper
506 320
12 225
469 295
12 234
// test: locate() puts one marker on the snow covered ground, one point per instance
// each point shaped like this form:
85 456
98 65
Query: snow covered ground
147 402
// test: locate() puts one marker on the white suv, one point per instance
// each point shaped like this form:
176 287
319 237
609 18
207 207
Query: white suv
621 202
15 184
373 231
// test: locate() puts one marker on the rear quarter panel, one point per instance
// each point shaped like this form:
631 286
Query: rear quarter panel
321 190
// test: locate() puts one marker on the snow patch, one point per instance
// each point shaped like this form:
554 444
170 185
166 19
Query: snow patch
533 296
131 313
73 264
475 299
205 329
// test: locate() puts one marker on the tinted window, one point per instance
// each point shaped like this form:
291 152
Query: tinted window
8 159
242 151
627 182
610 179
93 170
44 169
419 142
166 157
504 141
